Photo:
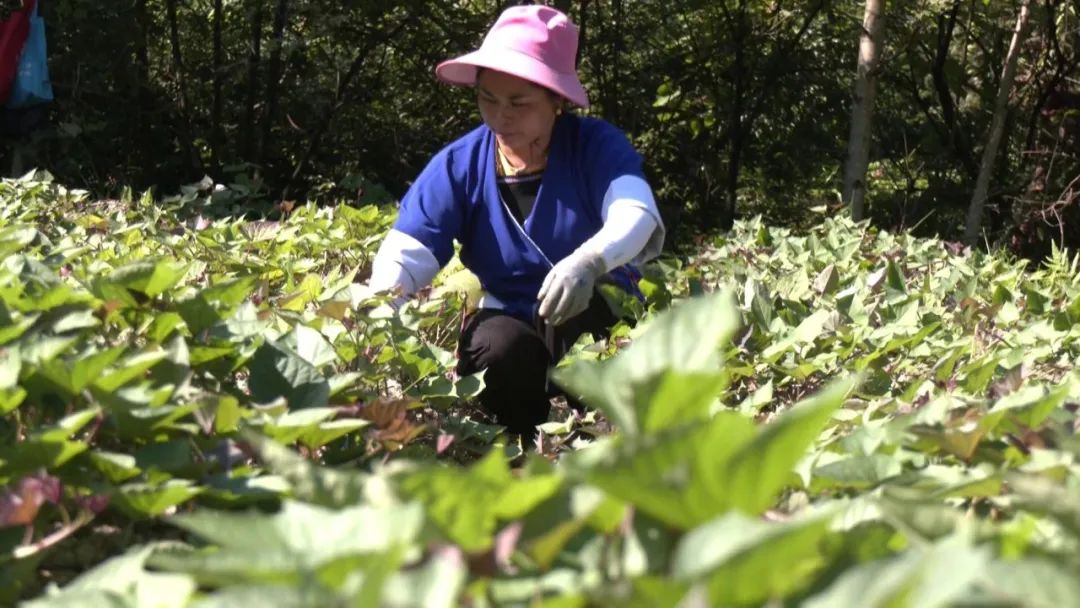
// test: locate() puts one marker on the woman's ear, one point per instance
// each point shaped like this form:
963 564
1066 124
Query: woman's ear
561 105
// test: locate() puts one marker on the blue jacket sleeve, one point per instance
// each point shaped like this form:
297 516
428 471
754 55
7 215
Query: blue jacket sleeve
608 155
433 209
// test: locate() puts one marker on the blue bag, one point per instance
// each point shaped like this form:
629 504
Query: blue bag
32 86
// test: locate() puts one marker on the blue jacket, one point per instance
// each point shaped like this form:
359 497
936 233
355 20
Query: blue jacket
456 198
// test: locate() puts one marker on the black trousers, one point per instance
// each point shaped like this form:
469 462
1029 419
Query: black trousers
517 356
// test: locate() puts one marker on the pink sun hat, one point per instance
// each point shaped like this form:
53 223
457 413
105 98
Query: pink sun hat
534 42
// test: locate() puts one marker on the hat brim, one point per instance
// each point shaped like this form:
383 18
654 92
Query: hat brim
461 71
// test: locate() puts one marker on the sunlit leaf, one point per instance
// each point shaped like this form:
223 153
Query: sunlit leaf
684 340
279 372
748 561
463 503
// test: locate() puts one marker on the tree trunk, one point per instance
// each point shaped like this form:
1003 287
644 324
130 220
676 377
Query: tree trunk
583 33
777 56
997 126
247 129
273 76
736 124
143 121
184 129
562 5
862 110
614 106
217 136
748 107
955 133
1064 65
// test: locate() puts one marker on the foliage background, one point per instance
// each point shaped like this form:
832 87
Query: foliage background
208 411
740 107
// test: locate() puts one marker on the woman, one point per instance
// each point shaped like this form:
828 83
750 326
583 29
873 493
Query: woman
544 204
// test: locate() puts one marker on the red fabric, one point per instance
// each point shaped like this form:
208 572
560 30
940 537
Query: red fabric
13 33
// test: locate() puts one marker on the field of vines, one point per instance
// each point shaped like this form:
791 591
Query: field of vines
202 408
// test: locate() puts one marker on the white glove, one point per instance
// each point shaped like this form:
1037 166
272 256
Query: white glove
568 286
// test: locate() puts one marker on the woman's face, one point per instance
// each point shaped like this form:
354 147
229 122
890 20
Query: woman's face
519 112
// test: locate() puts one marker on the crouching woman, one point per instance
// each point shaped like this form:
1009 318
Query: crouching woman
544 203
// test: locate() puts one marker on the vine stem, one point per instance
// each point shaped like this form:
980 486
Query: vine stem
32 549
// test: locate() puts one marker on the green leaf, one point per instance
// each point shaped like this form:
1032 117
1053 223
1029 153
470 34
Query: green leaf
10 365
1031 404
205 354
917 517
87 369
1042 495
288 427
197 314
144 422
227 414
678 397
33 454
435 585
463 504
228 294
758 399
319 485
16 329
246 323
17 237
683 340
284 546
122 582
808 330
52 298
756 298
747 561
857 471
150 277
240 490
440 390
278 372
130 368
650 591
690 475
117 576
312 347
41 349
523 495
938 576
66 427
115 467
175 369
11 399
140 500
302 595
163 326
172 456
1033 582
550 525
761 468
73 321
826 281
811 327
895 277
311 427
307 291
678 476
163 590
